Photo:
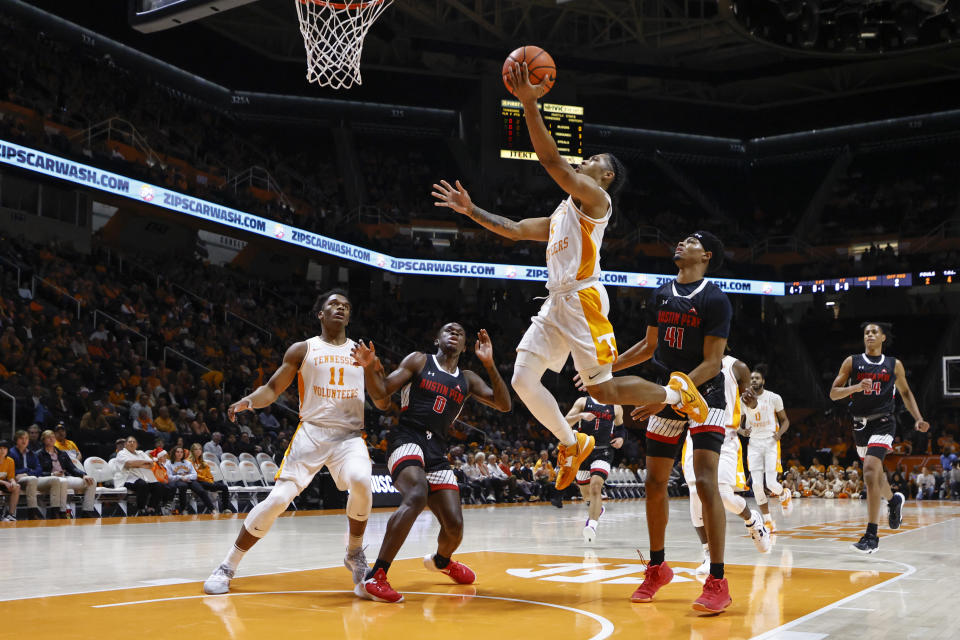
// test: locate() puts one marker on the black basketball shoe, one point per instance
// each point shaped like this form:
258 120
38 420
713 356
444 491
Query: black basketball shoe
895 509
868 544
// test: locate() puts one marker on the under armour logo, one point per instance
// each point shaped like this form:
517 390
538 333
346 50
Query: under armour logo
663 301
429 435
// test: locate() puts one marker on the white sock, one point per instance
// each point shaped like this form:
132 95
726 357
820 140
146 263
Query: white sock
706 549
592 523
750 523
354 542
767 518
234 556
673 396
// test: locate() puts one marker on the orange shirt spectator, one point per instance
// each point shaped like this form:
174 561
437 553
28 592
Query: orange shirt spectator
164 422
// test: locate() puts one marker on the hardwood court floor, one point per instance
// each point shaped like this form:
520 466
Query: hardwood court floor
536 578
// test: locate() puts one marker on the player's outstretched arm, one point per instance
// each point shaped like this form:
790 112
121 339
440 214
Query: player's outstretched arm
593 199
909 400
457 198
496 395
640 352
266 394
839 390
576 413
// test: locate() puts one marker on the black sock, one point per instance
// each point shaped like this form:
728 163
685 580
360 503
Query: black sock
440 561
656 557
379 564
872 528
716 570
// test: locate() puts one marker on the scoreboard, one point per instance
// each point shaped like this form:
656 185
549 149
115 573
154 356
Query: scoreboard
564 121
836 285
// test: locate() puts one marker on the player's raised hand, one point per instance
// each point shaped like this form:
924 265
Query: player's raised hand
643 412
484 347
519 81
241 405
866 385
749 398
364 355
922 426
456 198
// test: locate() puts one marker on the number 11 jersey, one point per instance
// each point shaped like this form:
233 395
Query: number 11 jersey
433 398
331 386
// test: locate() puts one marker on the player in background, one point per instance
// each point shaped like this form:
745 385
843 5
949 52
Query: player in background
573 320
736 378
433 389
605 423
765 422
688 322
871 380
331 389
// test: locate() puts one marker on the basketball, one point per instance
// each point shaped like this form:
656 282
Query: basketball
539 62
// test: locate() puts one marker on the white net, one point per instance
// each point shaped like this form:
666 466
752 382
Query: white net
333 35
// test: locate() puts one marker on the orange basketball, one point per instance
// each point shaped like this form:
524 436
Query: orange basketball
539 62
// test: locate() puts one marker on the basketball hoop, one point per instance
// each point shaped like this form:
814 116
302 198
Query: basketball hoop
333 35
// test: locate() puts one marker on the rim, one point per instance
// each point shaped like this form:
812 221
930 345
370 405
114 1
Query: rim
350 6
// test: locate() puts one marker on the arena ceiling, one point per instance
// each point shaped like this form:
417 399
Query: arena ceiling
666 57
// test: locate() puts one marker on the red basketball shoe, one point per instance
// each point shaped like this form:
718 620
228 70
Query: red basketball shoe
656 576
715 597
378 589
456 571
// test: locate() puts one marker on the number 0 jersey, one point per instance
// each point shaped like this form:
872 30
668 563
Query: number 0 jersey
433 398
331 386
882 396
762 419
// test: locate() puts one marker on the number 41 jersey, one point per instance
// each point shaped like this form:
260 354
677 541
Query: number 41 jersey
684 314
433 398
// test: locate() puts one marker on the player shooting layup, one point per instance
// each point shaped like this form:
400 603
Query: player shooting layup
573 320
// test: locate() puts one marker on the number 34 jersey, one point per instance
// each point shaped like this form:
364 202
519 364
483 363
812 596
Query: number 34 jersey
433 398
331 386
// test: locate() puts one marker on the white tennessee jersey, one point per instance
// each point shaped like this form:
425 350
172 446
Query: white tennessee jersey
732 392
331 386
573 248
762 420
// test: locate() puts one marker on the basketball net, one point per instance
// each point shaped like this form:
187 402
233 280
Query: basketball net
333 35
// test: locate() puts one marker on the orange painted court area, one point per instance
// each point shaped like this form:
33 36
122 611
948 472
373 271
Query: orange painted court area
557 596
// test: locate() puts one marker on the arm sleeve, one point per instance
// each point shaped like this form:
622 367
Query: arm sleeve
720 313
619 431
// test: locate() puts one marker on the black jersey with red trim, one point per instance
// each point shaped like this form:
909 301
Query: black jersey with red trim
601 428
433 398
881 398
684 315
